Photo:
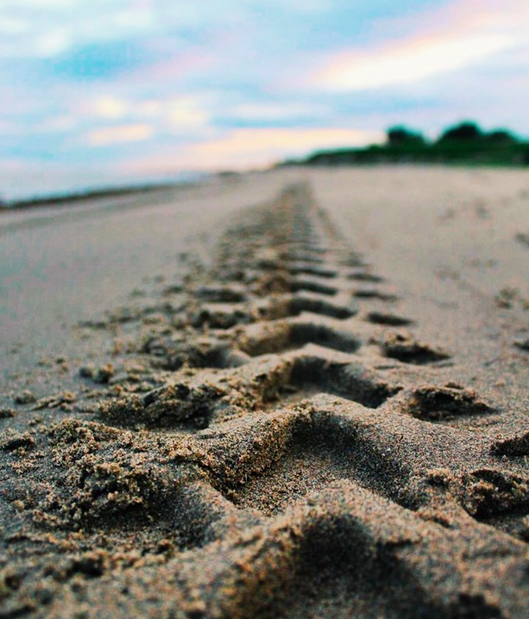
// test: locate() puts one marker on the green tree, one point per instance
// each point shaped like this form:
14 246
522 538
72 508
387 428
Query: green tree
501 136
400 135
464 132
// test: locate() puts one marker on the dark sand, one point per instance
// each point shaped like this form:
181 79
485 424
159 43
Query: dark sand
321 412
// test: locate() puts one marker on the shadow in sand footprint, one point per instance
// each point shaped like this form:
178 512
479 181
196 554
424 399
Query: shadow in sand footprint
363 276
314 303
433 403
380 318
377 295
403 347
311 269
312 285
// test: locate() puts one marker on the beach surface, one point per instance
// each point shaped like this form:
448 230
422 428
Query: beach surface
299 393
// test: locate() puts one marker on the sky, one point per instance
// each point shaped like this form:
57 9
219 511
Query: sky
104 92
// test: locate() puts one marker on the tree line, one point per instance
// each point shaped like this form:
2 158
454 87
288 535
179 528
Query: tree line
464 143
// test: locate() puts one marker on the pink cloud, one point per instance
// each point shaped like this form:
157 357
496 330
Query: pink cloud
120 134
173 68
250 147
458 35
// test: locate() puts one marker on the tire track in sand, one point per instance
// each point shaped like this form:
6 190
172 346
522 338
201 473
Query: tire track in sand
294 462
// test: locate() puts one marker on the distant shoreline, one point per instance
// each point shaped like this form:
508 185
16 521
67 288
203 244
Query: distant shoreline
83 196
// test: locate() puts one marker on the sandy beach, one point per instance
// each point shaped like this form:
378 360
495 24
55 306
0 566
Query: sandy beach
296 393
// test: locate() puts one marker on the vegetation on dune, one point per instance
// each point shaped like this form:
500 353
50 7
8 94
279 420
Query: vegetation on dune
463 143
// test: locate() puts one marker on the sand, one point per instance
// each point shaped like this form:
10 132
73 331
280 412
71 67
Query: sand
322 413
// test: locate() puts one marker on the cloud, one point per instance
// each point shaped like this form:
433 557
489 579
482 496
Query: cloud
109 107
409 62
469 34
236 83
54 125
242 148
186 114
178 115
55 5
34 45
13 25
121 134
279 112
